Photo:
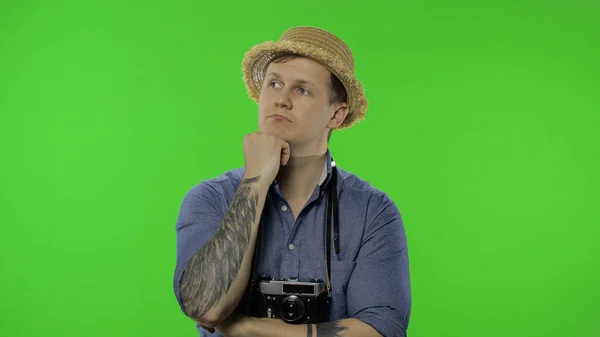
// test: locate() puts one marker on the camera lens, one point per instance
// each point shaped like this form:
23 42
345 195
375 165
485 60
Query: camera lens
292 309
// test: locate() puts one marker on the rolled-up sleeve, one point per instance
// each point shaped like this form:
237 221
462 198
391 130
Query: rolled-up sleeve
199 217
379 288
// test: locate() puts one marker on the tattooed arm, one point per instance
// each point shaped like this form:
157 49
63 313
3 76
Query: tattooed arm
216 276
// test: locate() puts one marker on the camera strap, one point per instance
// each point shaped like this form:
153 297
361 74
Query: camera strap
331 219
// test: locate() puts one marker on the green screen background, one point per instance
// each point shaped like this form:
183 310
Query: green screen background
482 126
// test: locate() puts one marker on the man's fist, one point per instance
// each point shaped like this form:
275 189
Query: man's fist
263 155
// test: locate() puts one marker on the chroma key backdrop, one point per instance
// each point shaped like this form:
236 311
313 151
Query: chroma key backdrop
483 126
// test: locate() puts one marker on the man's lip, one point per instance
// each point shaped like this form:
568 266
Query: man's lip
281 116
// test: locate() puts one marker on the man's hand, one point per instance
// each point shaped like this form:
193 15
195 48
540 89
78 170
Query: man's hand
263 155
236 325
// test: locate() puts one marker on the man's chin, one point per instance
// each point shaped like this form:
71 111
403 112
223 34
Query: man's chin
282 134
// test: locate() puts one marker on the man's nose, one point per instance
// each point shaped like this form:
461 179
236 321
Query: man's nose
283 100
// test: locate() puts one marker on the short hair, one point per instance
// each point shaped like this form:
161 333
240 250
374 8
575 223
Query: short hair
337 92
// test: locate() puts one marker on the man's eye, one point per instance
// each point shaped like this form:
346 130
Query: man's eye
272 84
303 91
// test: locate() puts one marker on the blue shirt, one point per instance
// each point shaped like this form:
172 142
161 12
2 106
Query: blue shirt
370 275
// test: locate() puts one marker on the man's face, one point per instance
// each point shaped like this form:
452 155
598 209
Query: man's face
294 102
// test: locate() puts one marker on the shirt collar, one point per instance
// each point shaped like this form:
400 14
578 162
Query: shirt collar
325 176
325 171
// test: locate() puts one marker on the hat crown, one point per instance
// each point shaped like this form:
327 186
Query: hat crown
321 39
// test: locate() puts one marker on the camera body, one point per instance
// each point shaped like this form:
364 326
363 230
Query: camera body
290 300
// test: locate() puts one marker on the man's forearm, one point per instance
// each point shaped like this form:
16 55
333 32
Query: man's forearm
350 327
215 278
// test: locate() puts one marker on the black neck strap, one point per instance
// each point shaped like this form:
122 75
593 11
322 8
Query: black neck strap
331 219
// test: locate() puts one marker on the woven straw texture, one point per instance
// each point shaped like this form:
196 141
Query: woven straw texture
318 45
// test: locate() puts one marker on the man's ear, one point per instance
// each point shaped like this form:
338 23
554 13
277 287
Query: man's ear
339 115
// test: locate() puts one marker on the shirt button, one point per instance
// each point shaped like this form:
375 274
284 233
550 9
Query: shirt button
284 208
291 246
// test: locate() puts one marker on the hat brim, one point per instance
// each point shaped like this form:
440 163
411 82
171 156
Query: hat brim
258 58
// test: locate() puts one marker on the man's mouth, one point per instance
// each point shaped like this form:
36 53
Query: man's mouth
280 118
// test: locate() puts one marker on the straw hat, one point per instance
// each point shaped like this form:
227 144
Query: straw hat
314 43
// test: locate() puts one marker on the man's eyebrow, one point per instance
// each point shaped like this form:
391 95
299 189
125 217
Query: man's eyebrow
299 81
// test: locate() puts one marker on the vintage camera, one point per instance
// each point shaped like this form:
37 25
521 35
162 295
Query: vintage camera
290 300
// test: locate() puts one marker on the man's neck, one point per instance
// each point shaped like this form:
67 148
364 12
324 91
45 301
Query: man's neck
301 175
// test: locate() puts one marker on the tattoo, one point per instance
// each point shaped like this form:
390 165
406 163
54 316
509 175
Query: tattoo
211 271
331 329
250 180
309 329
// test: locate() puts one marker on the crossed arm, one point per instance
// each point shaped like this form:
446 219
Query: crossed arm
242 326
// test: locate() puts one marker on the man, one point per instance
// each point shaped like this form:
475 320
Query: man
305 88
